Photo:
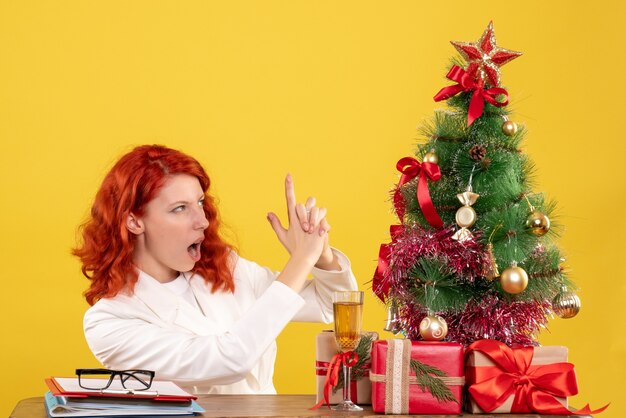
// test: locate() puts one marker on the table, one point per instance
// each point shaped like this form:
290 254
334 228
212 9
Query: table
260 406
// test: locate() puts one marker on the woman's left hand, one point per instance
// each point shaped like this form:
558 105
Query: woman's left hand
312 215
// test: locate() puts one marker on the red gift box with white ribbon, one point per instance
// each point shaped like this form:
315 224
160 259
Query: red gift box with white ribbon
395 386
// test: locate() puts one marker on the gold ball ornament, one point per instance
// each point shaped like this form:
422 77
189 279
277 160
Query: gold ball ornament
566 305
430 157
509 128
465 216
538 223
514 280
433 328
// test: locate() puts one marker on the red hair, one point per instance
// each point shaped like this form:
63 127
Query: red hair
107 249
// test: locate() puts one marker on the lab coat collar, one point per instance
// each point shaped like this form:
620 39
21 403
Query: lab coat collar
171 308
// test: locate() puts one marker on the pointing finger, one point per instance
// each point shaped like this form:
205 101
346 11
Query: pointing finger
290 196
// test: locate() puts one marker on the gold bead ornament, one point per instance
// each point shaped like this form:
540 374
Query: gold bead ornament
566 304
509 128
514 279
430 157
433 328
465 215
538 223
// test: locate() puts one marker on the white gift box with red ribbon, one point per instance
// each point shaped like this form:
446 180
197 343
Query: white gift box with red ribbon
325 350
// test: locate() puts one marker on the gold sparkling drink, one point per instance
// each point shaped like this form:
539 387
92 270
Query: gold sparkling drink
348 310
347 324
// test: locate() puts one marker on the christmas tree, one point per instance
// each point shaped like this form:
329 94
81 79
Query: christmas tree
474 255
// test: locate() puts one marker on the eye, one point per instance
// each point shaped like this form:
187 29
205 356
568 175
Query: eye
201 202
178 209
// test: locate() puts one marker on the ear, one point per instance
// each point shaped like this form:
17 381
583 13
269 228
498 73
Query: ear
134 224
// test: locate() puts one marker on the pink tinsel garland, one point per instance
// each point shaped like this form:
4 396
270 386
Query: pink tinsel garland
512 322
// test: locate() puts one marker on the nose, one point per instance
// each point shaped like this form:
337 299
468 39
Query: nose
200 220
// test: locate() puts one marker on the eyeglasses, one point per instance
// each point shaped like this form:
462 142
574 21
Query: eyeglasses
135 380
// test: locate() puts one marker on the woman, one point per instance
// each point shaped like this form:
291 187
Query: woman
169 295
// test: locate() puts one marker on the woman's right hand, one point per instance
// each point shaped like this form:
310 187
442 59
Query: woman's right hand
304 245
301 239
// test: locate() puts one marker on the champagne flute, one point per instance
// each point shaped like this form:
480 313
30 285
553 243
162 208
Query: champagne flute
348 310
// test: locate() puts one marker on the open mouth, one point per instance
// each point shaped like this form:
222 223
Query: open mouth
194 251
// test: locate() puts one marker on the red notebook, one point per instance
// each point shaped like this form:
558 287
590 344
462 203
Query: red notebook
159 391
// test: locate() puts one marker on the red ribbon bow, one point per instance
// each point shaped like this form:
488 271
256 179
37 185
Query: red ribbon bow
466 82
411 168
349 358
534 387
380 283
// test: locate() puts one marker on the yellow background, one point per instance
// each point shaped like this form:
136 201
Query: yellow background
331 91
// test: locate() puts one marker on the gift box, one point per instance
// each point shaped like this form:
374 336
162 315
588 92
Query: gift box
326 348
519 380
397 389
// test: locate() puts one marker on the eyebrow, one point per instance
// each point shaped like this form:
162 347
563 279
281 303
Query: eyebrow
178 202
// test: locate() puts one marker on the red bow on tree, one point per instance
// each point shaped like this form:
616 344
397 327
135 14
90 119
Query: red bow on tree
467 82
411 168
534 387
380 283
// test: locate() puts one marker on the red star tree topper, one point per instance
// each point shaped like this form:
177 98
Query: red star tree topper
485 57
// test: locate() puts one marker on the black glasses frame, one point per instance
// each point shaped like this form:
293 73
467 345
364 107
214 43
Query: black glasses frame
135 375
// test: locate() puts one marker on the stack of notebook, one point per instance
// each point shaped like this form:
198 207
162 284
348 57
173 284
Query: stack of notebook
66 398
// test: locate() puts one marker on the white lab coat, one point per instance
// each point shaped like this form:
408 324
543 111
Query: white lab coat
228 346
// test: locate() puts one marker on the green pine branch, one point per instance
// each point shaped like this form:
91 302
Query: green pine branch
546 276
429 379
435 286
501 176
363 350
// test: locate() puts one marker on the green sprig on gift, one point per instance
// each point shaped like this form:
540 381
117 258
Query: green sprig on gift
429 379
363 350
